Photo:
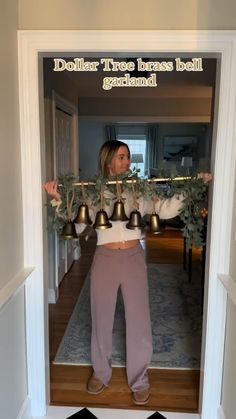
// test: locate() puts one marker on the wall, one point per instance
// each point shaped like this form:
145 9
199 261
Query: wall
168 109
135 14
10 186
201 131
91 135
13 376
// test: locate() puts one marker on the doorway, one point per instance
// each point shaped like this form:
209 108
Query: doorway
188 117
156 42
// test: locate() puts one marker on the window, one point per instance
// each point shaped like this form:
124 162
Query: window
137 146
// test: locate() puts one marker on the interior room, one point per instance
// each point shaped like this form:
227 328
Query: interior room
169 131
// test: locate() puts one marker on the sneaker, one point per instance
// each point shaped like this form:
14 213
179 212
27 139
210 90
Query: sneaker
141 397
95 386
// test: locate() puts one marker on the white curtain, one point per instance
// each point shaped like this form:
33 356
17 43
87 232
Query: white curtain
152 147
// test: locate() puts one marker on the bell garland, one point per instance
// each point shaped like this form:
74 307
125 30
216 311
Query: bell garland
194 189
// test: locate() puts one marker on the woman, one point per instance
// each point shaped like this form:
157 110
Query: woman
119 261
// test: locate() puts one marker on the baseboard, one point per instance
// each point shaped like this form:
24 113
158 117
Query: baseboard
77 253
52 296
221 414
25 411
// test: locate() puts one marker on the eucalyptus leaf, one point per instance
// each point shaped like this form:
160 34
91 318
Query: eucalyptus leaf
194 191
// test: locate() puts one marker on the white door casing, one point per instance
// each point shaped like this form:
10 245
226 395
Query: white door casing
221 43
63 151
65 159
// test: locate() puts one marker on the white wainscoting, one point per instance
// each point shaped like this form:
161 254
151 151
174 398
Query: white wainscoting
13 363
13 286
25 412
230 286
221 414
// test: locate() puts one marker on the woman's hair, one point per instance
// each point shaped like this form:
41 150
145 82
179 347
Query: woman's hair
106 154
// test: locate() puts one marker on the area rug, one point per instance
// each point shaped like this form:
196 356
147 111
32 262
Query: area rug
175 306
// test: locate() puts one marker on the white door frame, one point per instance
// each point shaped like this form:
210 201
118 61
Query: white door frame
31 43
66 106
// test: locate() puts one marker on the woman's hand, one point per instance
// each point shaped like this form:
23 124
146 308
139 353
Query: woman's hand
206 177
51 189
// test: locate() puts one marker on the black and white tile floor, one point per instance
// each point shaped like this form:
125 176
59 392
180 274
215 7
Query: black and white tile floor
87 414
56 412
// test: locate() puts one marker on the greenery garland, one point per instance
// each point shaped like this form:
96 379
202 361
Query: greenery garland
194 189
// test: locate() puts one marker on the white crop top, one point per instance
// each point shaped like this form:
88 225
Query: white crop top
117 233
165 208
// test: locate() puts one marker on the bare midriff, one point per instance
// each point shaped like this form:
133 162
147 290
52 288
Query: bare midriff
121 245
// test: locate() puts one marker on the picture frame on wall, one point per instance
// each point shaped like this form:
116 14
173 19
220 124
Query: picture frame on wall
175 147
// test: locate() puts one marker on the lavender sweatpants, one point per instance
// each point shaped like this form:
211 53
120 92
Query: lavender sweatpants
111 269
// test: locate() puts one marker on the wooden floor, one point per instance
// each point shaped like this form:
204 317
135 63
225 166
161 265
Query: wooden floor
171 390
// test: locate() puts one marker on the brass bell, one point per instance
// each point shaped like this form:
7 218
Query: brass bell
119 212
83 215
69 231
101 221
154 224
135 221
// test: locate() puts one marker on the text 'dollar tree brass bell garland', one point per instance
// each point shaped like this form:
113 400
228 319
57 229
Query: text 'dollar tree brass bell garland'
77 198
